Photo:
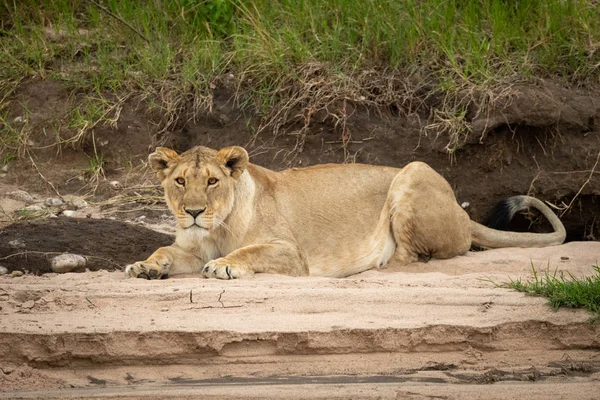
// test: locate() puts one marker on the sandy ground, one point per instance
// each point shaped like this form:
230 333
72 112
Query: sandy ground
428 330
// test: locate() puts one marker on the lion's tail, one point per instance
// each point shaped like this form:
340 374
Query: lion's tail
500 217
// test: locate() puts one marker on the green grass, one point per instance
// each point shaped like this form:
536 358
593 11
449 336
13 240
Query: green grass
563 291
309 51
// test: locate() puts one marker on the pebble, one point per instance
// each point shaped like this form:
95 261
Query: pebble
8 369
72 214
15 274
224 119
20 195
115 185
28 304
67 262
3 270
17 244
53 202
78 202
4 168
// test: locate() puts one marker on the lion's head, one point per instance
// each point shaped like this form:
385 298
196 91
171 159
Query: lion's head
199 184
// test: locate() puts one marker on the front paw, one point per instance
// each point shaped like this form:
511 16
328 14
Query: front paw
222 269
147 270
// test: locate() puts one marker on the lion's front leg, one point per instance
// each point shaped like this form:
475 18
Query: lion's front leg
276 257
165 261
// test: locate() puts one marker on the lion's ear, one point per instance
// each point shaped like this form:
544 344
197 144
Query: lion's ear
161 158
233 160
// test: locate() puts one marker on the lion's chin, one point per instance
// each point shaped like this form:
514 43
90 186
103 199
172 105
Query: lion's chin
188 237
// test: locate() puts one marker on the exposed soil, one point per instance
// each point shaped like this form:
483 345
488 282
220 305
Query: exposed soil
419 331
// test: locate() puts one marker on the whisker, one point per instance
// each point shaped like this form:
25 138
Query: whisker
224 225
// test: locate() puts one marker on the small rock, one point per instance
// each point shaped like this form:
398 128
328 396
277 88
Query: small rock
224 119
18 120
3 270
4 168
115 185
78 202
15 274
8 369
20 195
67 262
17 244
72 214
28 304
465 204
53 216
53 202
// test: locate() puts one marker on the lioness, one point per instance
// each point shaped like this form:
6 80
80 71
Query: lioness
235 218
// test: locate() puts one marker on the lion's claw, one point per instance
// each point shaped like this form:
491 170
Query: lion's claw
221 269
146 270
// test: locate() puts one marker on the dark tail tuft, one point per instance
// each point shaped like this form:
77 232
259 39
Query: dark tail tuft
500 216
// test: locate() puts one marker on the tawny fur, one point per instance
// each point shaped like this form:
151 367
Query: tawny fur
235 218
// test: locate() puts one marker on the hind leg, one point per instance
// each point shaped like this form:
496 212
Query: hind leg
425 217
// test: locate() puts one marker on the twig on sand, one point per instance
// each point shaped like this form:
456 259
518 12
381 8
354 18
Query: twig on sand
219 300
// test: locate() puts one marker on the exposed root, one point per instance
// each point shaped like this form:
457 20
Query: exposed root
43 177
318 94
567 207
145 195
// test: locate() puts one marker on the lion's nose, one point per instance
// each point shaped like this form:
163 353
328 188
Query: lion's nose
194 213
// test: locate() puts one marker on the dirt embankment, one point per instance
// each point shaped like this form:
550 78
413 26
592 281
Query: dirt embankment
541 139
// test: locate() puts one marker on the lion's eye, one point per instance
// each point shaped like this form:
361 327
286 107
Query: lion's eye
212 181
180 181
